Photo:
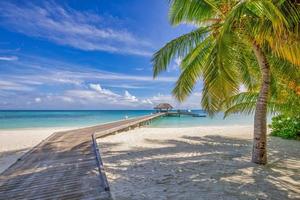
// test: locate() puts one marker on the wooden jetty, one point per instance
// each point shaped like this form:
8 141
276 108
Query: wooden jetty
67 165
167 109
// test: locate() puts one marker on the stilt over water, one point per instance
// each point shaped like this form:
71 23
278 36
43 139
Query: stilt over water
64 166
167 109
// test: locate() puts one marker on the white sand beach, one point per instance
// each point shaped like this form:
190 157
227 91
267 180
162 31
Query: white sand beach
15 142
198 163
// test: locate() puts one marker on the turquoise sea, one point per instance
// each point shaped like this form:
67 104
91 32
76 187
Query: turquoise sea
78 118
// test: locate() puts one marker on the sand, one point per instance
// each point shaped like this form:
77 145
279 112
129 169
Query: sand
15 142
198 163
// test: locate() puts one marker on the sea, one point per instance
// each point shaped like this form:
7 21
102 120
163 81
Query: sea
18 119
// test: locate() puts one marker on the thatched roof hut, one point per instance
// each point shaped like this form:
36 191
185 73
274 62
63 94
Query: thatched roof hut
163 107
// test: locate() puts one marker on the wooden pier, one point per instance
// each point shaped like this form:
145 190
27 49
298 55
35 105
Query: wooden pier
67 165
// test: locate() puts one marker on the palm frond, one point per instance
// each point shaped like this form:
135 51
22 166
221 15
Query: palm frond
191 11
177 47
245 102
278 26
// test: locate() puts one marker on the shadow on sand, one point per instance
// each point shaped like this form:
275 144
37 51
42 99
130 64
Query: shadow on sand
209 167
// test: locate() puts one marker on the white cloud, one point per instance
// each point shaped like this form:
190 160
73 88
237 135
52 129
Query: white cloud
147 101
66 26
99 89
96 97
37 100
130 97
8 58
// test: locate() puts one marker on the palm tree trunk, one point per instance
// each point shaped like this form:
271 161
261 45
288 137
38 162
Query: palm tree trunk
259 151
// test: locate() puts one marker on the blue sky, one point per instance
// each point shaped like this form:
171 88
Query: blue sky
85 55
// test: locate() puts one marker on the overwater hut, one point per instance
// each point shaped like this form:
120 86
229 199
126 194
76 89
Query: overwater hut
163 107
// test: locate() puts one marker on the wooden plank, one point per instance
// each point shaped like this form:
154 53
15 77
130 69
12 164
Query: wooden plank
64 166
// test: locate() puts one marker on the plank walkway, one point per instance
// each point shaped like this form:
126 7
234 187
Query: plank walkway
64 166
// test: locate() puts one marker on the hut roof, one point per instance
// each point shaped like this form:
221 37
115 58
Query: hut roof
163 106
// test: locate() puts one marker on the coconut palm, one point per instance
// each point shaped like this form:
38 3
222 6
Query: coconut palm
284 97
234 43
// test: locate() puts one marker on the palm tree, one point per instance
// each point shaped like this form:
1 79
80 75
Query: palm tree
234 43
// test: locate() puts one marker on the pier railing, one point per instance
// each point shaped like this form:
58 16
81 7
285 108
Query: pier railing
100 165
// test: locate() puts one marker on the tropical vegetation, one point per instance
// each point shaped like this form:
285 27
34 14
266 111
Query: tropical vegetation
286 124
286 127
251 44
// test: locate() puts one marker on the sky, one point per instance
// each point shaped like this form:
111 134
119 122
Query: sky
78 54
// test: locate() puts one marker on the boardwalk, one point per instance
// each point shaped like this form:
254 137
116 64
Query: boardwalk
64 166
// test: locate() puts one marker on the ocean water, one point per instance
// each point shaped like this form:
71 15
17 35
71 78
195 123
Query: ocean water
79 118
217 120
59 118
